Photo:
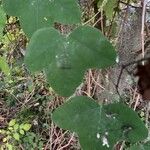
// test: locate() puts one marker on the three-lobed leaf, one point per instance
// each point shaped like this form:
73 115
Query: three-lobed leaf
88 120
99 127
65 59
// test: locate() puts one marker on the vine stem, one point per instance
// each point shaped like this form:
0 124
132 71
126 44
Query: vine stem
127 65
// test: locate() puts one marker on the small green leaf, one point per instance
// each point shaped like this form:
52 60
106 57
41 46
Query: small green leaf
22 132
12 122
108 6
16 136
21 126
16 126
26 127
2 131
10 128
4 66
9 146
9 132
4 140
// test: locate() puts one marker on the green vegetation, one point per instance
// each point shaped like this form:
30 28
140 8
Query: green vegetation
41 68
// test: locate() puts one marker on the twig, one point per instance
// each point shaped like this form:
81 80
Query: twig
127 4
142 28
67 143
91 18
125 66
122 145
136 102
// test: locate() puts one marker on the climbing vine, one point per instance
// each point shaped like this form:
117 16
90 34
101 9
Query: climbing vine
64 59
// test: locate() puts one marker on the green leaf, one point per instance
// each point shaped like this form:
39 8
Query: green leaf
4 140
10 128
9 132
26 127
9 146
4 66
2 21
108 6
2 131
16 126
97 126
66 59
12 122
21 126
36 14
16 136
21 132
